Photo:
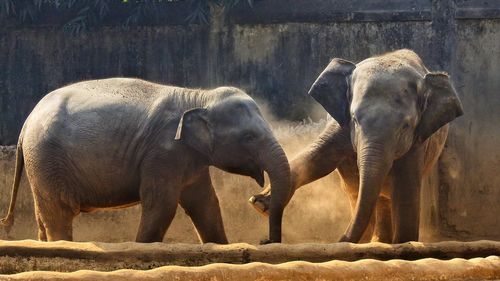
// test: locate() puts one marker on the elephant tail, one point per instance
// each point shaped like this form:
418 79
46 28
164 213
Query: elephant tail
8 221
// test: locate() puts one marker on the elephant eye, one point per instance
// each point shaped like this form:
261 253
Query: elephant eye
247 138
406 125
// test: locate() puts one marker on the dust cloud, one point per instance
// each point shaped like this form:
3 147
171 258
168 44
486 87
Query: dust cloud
318 212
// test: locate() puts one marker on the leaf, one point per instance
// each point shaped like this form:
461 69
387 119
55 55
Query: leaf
84 10
81 15
8 7
38 3
77 19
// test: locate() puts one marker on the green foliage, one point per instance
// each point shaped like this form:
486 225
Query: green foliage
78 16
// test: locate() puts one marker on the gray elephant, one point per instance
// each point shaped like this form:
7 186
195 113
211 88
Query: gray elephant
118 142
390 126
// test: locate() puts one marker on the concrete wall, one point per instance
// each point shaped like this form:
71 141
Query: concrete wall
275 51
469 190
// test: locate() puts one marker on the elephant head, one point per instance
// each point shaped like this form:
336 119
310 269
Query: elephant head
233 136
390 105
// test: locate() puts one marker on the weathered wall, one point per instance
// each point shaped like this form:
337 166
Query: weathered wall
257 58
275 52
469 192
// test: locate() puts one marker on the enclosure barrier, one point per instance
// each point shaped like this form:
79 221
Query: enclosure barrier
425 269
29 255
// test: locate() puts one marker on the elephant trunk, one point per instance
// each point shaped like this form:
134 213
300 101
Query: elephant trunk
374 163
275 163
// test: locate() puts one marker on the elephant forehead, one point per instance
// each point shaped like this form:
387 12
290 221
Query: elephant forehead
390 96
237 124
379 69
377 86
235 109
401 86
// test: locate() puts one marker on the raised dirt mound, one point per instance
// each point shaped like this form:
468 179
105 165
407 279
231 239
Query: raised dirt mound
29 255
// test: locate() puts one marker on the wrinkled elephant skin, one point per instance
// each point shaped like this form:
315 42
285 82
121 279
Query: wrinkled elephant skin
390 124
118 142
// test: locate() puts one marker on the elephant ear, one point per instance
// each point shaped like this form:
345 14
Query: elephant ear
194 129
331 89
441 105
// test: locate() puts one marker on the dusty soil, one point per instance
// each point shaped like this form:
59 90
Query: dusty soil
425 269
62 260
30 255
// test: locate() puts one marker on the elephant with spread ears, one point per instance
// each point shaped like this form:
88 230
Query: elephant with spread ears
390 124
117 142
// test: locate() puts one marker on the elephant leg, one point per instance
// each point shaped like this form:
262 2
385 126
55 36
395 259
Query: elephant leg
42 232
406 196
383 221
159 200
54 218
319 159
57 223
202 205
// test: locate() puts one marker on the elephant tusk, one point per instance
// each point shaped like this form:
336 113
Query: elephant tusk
259 206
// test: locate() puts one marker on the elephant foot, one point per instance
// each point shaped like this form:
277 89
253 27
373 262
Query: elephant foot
344 238
376 238
261 203
266 241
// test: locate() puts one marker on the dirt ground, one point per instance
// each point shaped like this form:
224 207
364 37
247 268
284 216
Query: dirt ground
62 256
369 270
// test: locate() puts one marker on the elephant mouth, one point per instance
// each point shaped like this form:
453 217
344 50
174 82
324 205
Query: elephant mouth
253 171
259 177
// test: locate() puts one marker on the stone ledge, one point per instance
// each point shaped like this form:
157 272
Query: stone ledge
29 255
426 269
